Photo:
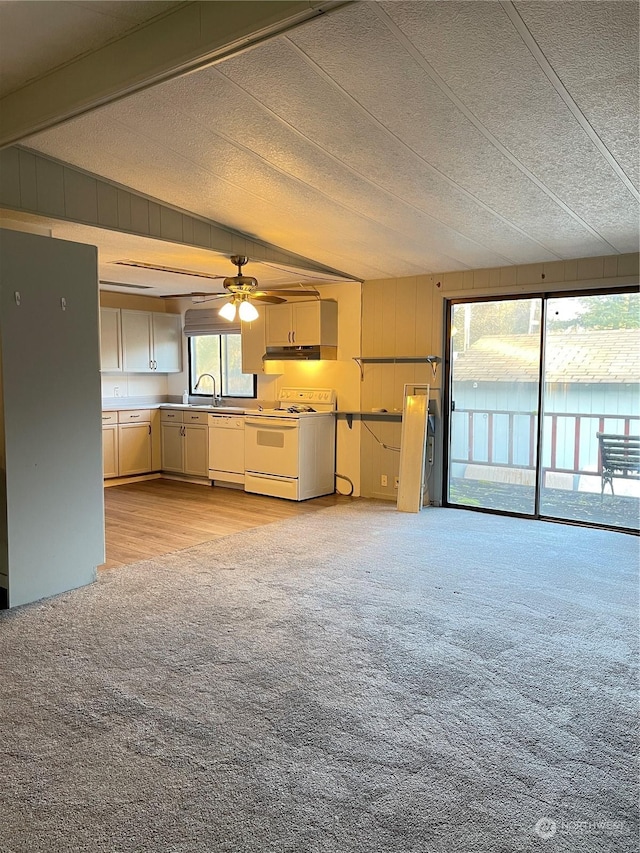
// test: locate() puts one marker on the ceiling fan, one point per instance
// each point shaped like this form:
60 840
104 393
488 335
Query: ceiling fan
243 289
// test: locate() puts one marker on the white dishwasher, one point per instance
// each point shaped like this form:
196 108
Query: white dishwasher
226 448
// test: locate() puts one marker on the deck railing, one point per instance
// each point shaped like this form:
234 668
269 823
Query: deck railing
508 438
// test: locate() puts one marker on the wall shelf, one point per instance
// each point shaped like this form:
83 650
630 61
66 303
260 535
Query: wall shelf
361 360
349 417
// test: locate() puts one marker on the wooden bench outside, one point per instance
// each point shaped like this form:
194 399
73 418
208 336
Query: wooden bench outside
620 455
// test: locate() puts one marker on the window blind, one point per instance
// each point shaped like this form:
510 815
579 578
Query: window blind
207 321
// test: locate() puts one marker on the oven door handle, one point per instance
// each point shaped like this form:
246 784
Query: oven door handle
266 422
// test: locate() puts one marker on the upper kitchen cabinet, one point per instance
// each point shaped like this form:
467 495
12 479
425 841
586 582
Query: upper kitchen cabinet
302 324
167 342
253 345
151 342
110 342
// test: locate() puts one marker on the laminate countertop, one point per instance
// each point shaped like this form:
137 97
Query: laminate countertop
221 410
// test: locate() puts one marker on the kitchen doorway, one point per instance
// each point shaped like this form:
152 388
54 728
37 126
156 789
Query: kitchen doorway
540 389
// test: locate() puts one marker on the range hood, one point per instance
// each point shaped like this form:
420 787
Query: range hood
308 353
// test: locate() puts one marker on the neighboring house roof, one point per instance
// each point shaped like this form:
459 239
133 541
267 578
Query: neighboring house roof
611 355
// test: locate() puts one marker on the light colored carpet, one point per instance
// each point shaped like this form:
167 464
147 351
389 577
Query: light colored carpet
353 680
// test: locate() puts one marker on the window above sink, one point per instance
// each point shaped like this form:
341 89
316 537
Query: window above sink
221 356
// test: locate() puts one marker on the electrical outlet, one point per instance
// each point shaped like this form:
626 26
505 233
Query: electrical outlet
116 390
383 479
396 482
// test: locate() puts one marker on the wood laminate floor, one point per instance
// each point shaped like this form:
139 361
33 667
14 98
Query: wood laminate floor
155 517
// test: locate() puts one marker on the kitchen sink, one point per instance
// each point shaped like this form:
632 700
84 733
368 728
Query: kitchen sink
230 410
222 410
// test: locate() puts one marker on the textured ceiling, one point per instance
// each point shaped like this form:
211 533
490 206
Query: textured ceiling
393 139
40 35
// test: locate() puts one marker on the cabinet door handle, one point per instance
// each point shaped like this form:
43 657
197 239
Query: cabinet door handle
149 429
293 337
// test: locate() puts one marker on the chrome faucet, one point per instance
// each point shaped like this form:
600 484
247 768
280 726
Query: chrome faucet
214 397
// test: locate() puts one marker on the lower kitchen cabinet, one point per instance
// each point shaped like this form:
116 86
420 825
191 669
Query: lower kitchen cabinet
110 450
134 449
172 447
196 450
126 443
185 446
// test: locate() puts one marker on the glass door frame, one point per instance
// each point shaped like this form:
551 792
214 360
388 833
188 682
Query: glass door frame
544 296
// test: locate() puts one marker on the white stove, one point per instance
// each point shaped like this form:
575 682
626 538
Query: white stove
301 403
290 450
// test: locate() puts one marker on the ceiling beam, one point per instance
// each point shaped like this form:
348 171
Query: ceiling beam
189 37
40 186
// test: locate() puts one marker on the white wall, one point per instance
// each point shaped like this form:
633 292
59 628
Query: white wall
133 386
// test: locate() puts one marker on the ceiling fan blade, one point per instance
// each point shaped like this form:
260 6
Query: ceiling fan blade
267 297
297 292
192 294
280 292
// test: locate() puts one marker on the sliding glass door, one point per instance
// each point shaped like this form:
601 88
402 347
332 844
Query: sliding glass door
495 380
591 376
543 393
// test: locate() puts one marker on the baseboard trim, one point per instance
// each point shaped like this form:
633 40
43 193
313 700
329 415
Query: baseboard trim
183 478
120 481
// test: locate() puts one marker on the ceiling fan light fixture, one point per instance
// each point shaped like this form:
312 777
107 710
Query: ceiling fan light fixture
228 311
247 281
247 311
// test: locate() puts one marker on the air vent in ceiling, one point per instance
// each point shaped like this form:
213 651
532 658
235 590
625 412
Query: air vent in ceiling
142 266
122 284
